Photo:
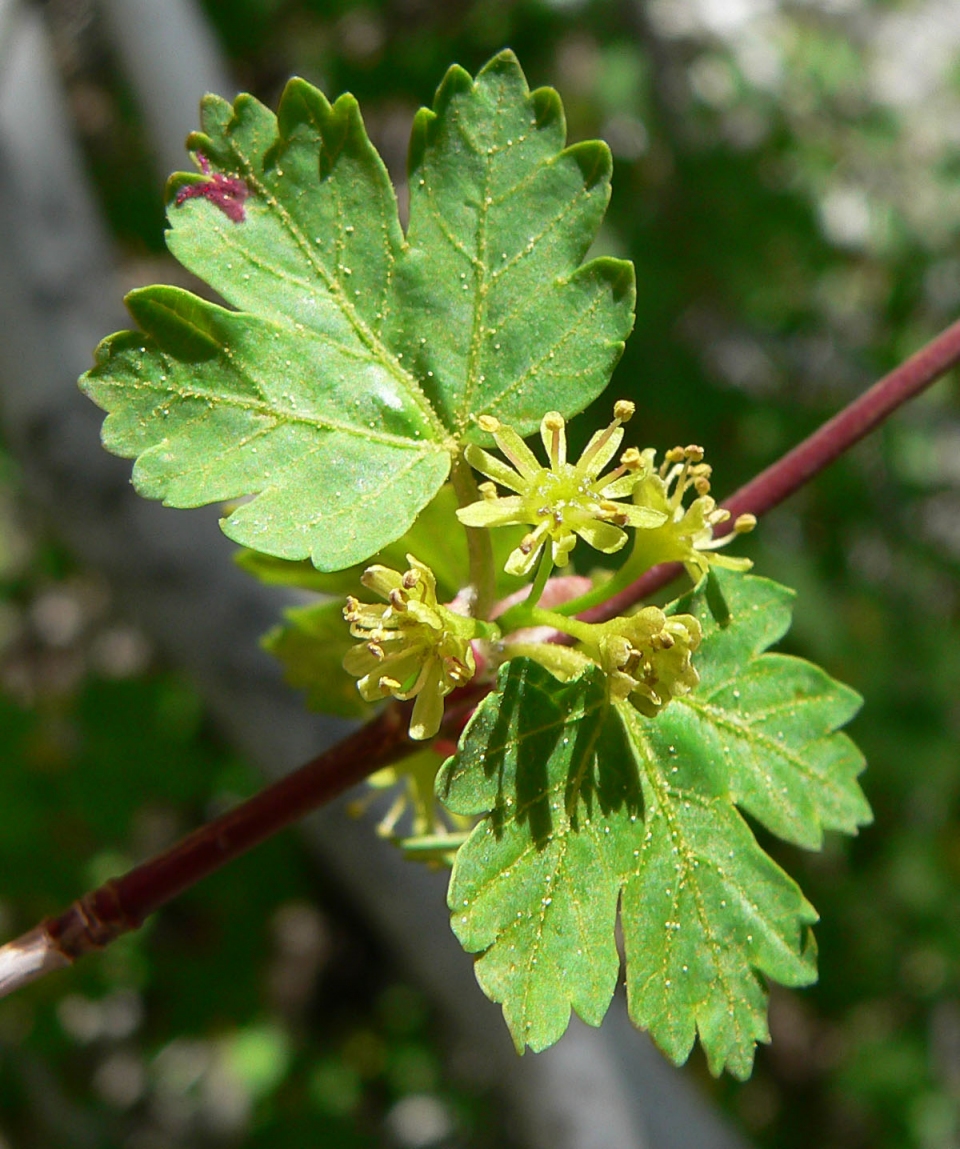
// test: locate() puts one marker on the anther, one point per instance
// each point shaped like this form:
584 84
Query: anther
489 424
623 410
744 523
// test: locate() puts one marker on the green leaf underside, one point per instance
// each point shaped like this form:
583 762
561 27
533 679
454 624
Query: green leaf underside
589 803
356 360
311 644
430 539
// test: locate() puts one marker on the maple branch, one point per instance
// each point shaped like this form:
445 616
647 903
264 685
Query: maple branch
123 903
789 473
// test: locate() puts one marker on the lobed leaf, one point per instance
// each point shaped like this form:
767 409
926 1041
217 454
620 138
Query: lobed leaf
767 724
586 802
355 360
535 887
511 323
704 911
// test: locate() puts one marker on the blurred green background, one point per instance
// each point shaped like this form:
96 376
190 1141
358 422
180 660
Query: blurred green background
787 182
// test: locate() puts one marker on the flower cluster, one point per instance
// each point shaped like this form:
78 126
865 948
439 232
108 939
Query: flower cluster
686 533
410 648
563 500
647 657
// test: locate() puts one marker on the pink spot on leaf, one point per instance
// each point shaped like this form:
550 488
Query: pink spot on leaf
225 192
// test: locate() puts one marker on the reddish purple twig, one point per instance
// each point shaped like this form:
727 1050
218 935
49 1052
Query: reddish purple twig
122 904
228 193
797 467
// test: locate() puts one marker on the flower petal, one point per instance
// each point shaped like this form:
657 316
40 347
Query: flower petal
493 467
427 711
603 537
644 517
731 562
493 512
562 546
358 661
427 582
520 563
617 488
517 451
599 451
381 579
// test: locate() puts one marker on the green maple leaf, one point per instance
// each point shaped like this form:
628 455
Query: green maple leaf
352 361
588 803
311 643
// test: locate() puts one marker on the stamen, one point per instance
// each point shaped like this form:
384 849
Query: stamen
554 423
602 440
670 477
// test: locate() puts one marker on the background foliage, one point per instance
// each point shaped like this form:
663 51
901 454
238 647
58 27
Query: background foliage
785 181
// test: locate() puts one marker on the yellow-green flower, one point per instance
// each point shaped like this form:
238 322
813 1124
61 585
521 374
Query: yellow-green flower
686 534
647 657
561 501
410 648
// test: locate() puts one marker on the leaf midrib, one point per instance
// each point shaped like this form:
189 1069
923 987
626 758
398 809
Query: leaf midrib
360 328
661 792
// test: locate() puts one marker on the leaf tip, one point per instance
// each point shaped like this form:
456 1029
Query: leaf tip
548 109
595 161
